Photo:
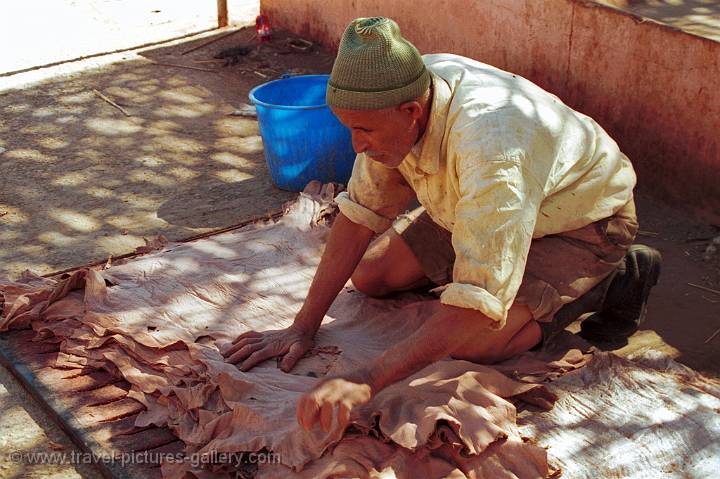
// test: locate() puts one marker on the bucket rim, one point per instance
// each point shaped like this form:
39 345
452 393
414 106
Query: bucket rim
255 101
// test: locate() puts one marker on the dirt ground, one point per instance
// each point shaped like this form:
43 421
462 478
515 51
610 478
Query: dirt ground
83 181
25 428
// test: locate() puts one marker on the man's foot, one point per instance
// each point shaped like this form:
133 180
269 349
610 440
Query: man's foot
626 302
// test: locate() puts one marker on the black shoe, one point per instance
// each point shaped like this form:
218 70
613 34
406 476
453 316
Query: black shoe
625 305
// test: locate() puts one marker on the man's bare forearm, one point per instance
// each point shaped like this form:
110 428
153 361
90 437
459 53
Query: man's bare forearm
345 247
445 330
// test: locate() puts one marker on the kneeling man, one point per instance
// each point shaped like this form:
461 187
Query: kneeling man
526 220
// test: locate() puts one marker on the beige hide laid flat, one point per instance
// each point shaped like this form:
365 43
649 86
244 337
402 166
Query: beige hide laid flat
162 320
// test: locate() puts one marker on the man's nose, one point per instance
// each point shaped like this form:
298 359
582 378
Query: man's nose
359 143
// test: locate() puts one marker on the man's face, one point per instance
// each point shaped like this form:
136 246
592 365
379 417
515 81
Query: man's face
386 135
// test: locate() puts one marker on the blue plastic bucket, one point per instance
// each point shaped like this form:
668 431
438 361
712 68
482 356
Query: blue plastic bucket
303 140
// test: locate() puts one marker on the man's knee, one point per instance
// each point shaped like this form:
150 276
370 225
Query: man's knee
368 278
388 265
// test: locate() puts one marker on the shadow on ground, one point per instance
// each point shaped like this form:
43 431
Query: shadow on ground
83 181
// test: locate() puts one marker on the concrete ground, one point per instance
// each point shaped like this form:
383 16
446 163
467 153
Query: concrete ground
25 428
46 32
83 181
697 17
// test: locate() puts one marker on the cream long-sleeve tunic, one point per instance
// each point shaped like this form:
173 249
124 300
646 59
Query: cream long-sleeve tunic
501 162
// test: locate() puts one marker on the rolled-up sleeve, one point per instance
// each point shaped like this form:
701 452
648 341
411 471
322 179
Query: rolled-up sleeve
375 196
494 222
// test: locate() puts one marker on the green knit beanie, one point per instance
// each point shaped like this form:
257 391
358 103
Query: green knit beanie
375 67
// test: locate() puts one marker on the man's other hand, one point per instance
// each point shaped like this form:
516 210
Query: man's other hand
332 398
252 348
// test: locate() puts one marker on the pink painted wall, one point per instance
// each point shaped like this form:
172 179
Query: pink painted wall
654 89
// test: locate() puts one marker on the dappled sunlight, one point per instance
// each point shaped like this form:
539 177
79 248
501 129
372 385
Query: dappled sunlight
183 111
17 108
33 265
181 158
57 238
67 120
53 143
113 126
99 192
649 339
29 154
129 221
179 144
69 179
183 266
149 84
123 93
149 176
6 236
232 176
524 104
32 250
183 173
138 202
13 216
549 117
119 242
74 220
161 127
73 99
43 112
229 159
237 126
215 250
187 95
622 418
87 182
150 161
241 145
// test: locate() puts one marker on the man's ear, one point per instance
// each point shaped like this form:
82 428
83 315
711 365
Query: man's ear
413 108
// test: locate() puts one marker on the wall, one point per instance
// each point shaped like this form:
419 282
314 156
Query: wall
656 90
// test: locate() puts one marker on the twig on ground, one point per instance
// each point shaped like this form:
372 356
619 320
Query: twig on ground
209 61
648 233
209 42
185 66
710 300
712 336
262 75
111 102
704 288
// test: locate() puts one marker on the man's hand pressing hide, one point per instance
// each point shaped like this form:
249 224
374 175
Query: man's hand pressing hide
331 402
252 348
